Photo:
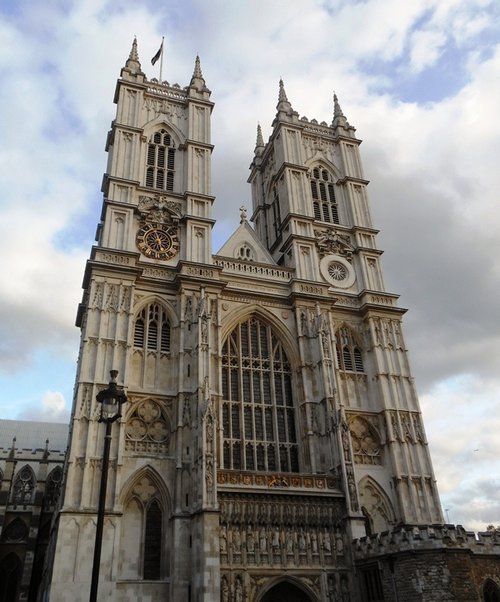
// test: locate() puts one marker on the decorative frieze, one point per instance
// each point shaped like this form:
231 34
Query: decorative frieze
278 509
115 258
252 269
289 481
280 530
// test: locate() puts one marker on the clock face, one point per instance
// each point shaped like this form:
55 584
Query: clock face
158 241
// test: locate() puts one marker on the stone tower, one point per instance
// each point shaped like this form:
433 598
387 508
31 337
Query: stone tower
271 414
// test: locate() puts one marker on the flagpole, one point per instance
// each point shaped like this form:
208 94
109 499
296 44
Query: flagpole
161 58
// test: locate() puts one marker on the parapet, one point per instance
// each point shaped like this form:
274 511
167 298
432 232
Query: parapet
412 538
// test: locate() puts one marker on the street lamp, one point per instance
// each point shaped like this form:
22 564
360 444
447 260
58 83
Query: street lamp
111 400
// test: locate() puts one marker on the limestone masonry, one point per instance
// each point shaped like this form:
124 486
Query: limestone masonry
272 447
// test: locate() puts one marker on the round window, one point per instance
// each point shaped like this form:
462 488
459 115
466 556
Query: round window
337 271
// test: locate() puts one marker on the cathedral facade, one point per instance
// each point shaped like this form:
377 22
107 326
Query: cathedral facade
272 417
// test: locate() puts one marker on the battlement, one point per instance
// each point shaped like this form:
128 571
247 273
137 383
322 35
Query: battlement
424 538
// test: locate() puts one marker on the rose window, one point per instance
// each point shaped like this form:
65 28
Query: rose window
337 271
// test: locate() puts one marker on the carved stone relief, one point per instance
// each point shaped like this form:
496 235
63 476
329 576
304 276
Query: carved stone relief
406 427
288 531
366 444
147 429
86 401
159 208
351 486
388 334
331 242
110 297
376 505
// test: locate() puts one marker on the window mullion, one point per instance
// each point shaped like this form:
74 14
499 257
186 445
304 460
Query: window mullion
240 402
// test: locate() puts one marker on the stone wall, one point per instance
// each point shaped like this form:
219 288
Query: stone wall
427 564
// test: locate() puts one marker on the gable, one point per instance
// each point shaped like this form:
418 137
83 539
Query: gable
244 244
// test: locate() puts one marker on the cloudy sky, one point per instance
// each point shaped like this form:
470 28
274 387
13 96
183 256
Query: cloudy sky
419 79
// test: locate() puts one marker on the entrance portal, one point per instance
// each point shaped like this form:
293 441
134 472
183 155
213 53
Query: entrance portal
286 592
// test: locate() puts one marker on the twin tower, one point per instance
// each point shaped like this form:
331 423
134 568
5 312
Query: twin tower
271 416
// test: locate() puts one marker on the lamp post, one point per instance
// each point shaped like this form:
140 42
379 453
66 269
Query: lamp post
111 400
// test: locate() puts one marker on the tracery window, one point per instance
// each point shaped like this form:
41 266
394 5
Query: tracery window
323 195
244 252
53 486
349 357
152 542
143 533
11 570
365 440
152 329
24 487
147 429
160 161
16 530
491 591
258 414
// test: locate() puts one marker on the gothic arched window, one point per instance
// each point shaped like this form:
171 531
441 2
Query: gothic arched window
160 161
491 591
349 357
244 252
152 542
323 195
258 414
24 487
152 329
143 532
11 570
53 486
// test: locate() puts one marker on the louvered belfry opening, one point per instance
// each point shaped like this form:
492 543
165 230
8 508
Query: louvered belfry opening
349 356
160 169
323 195
152 329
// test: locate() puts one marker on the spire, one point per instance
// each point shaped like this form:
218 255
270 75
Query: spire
283 102
260 139
133 66
337 111
282 94
46 453
197 81
133 56
197 68
338 116
12 452
259 144
283 107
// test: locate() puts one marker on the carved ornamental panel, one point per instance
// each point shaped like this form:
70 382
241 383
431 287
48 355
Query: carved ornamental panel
280 530
147 429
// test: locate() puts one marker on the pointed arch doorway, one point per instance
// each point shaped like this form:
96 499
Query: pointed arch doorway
286 592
